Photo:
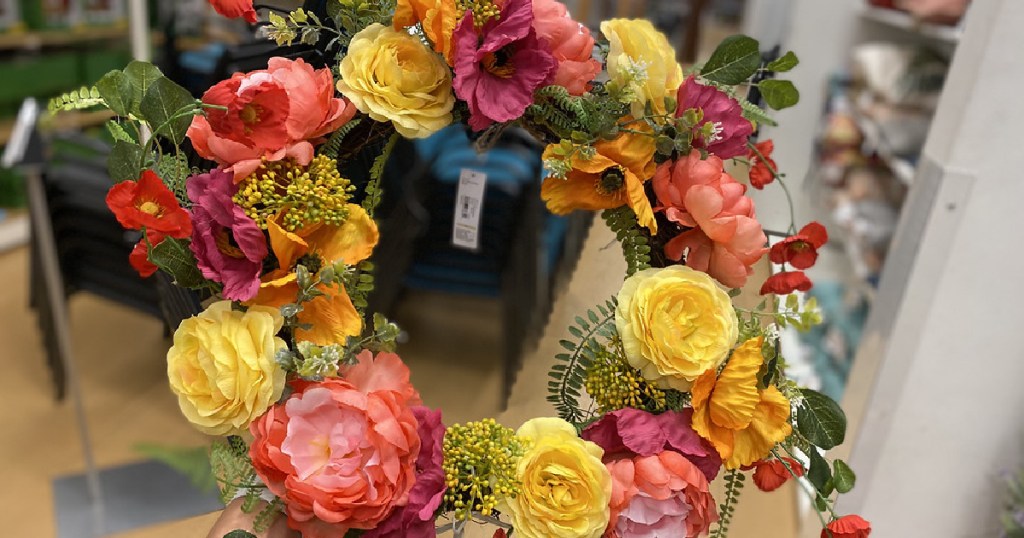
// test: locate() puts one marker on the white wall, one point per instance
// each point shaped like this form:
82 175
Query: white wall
940 374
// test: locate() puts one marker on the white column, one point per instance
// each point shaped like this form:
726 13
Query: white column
937 393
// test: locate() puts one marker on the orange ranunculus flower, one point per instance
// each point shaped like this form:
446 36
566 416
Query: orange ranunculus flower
614 177
439 18
333 316
742 421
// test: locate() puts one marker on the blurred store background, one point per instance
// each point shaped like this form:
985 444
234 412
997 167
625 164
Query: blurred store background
872 75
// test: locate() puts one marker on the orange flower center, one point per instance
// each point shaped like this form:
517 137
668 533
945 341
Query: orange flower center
611 181
227 246
150 208
496 63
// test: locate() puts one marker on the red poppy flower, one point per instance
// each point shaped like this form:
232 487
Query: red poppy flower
852 526
234 9
148 203
800 250
139 258
761 169
500 533
786 282
770 475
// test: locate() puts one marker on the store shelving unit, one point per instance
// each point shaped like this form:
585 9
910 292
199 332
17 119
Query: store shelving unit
903 21
34 40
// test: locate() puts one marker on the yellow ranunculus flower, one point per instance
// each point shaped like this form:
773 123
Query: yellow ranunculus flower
641 59
566 489
222 366
742 421
391 75
675 323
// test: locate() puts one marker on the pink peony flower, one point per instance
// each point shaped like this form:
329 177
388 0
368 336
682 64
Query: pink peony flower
633 432
272 113
724 113
342 452
416 519
571 44
228 245
726 239
659 495
497 72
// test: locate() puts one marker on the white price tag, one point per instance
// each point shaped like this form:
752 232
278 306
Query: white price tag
469 202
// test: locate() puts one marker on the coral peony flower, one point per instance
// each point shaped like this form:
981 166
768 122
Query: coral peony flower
389 75
762 164
438 18
641 61
786 282
742 421
497 71
228 245
659 495
341 454
770 475
565 487
234 9
726 240
416 519
851 526
332 316
634 432
571 44
271 114
730 130
614 177
222 366
139 258
800 250
675 324
148 203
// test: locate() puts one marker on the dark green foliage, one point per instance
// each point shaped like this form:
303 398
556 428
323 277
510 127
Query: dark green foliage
125 161
267 516
229 460
565 116
634 242
843 476
174 170
333 146
821 420
174 257
784 63
570 368
735 60
374 194
779 94
733 487
239 533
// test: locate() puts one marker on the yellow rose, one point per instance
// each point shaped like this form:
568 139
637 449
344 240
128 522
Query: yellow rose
675 324
391 75
641 60
222 366
566 489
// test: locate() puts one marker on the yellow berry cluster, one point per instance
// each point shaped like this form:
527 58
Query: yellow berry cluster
480 460
614 384
483 10
311 194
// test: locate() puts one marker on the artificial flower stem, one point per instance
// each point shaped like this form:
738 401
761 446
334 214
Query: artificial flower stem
782 183
812 497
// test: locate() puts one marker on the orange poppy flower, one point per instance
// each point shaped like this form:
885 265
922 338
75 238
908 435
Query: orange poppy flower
742 421
614 177
332 316
439 18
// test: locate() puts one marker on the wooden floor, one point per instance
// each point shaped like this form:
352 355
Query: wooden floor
453 345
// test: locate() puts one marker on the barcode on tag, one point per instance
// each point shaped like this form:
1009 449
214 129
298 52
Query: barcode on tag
469 201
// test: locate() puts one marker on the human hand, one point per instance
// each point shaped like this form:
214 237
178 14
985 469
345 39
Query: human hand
234 518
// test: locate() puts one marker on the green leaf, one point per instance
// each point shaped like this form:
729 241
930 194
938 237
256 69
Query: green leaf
239 533
821 420
785 63
174 257
116 89
735 60
756 114
819 472
123 161
118 132
844 476
141 75
779 94
162 105
193 462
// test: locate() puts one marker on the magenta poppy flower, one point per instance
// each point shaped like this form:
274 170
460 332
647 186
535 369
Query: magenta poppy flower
228 245
498 69
730 130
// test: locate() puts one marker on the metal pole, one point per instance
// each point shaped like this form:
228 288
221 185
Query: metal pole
138 30
44 242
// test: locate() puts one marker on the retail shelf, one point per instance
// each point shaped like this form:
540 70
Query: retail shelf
61 122
33 40
874 140
904 21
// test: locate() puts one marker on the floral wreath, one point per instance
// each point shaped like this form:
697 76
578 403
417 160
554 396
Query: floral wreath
659 390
